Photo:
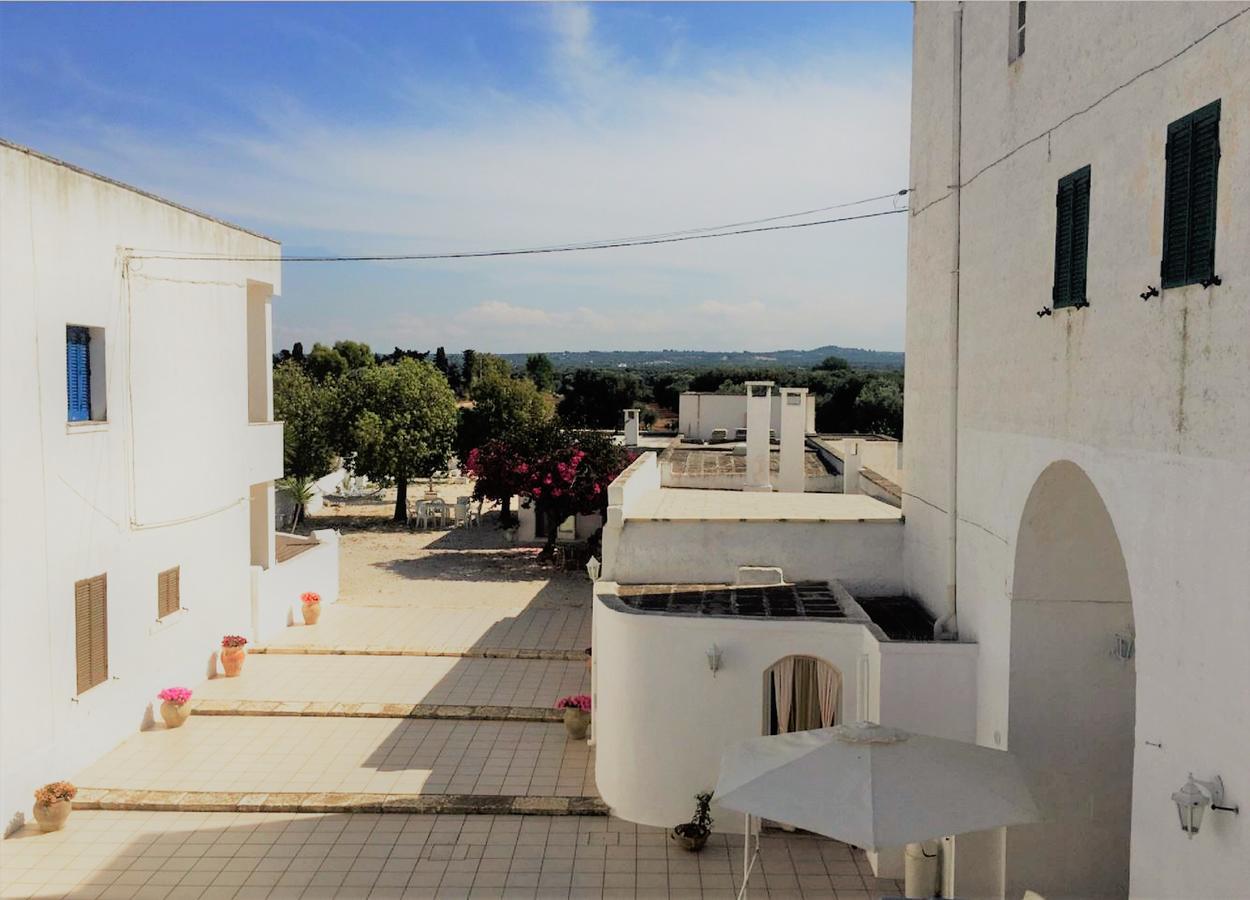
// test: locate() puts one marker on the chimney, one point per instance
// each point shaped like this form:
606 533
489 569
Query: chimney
759 413
793 439
631 427
851 462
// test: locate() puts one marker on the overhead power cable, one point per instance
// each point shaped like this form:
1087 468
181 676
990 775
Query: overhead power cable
639 241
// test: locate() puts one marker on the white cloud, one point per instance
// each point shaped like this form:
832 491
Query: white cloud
633 153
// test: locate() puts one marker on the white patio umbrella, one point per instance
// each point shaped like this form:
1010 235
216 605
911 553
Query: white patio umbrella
872 786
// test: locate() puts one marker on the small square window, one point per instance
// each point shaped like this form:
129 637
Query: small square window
84 374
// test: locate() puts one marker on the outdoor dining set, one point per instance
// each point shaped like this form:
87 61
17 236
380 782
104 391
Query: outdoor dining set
432 511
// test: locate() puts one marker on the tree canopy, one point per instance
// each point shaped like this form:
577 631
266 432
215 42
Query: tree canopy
325 363
396 423
539 369
305 408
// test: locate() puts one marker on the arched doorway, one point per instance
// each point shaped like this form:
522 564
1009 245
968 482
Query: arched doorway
800 693
1072 693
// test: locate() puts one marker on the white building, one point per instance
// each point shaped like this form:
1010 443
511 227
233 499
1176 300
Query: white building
1077 478
1077 482
139 453
705 416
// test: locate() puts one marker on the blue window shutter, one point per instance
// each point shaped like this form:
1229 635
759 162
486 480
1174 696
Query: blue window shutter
78 372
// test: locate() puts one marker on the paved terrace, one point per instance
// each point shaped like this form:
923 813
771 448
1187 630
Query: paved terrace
693 505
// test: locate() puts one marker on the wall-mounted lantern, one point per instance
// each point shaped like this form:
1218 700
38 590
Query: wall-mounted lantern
1193 799
593 568
713 659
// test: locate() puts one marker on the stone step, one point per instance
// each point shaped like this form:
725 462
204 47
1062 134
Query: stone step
311 802
470 653
375 710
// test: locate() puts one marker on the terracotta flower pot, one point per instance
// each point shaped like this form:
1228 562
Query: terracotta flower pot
232 660
312 612
576 721
175 714
52 817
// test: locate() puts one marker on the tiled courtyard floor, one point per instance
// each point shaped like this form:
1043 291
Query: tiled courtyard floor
387 756
274 855
401 679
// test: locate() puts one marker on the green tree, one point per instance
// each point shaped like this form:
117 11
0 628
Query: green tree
879 407
305 408
594 398
502 407
396 423
540 371
357 354
833 364
325 364
440 360
468 367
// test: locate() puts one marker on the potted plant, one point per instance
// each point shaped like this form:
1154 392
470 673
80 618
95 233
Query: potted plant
174 708
311 602
576 714
53 803
692 835
233 654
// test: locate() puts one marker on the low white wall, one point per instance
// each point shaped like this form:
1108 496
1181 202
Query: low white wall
276 591
662 720
864 556
812 484
639 479
527 531
698 415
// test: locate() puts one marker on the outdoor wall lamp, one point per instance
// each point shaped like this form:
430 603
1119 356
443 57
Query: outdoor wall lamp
593 568
713 659
1192 801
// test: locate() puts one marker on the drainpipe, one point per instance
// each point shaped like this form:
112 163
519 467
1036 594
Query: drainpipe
948 625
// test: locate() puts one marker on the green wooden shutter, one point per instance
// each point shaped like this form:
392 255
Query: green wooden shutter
1060 293
1071 238
1189 198
1202 186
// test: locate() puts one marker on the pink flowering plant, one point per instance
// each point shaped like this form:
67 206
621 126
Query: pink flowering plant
574 701
175 695
233 640
310 597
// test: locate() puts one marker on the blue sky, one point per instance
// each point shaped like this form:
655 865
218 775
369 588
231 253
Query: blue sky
433 127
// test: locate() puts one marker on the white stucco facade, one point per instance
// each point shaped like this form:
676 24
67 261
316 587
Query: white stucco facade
1133 414
174 469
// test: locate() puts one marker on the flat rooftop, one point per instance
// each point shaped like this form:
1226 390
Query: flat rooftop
801 600
720 460
700 505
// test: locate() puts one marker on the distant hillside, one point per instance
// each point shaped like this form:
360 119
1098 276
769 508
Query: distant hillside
706 359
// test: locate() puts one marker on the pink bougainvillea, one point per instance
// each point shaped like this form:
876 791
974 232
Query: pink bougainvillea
310 597
233 640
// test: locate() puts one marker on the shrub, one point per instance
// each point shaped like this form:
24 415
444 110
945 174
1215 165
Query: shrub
55 793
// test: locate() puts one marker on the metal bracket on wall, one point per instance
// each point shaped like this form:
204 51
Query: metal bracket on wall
1213 280
1045 311
1150 291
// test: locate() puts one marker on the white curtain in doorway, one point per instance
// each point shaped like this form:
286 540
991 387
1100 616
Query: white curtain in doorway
829 685
783 691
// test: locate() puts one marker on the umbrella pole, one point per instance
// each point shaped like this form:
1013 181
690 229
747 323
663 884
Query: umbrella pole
748 858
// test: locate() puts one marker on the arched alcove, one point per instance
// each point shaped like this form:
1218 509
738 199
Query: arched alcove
1072 692
801 692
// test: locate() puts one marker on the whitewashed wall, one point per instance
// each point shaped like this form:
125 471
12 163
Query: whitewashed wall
276 591
698 415
164 482
662 719
1149 399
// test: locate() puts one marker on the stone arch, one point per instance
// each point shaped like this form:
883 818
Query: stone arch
1072 694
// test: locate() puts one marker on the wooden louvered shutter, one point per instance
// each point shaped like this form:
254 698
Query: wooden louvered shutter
1060 293
1071 238
168 596
1204 167
91 631
78 372
1080 234
1176 203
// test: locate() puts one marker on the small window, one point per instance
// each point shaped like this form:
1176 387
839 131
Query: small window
1189 198
84 374
91 631
168 593
1071 239
1015 45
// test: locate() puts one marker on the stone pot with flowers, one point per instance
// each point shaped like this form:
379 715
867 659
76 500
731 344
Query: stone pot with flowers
175 706
233 654
53 803
311 602
576 714
693 835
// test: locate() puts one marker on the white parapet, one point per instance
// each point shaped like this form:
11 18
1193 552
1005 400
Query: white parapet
793 436
852 462
759 406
